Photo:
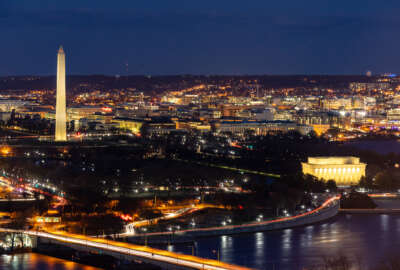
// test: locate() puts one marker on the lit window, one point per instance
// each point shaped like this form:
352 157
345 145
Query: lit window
340 170
316 170
325 170
329 170
358 169
348 169
334 170
353 170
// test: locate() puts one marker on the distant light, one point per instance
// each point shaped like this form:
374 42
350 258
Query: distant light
106 109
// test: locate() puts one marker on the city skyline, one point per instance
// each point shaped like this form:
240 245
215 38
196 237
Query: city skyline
218 135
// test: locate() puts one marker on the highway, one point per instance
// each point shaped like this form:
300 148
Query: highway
133 250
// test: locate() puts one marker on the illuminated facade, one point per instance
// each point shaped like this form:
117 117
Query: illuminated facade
133 125
61 107
343 170
261 128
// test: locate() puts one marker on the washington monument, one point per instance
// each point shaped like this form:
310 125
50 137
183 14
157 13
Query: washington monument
61 115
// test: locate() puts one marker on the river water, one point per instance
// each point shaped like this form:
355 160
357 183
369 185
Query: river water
365 238
33 261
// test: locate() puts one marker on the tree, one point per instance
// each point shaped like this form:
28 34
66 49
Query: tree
331 185
366 182
334 132
385 181
144 130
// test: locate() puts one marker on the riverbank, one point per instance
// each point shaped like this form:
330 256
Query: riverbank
385 205
370 211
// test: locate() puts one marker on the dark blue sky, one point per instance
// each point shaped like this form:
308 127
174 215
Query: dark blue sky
200 37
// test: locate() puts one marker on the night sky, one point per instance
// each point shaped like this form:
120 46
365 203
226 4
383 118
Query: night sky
200 37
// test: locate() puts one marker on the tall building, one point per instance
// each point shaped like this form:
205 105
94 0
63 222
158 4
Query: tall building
344 171
61 115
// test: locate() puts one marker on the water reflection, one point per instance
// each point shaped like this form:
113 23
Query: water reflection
171 248
384 222
286 242
226 242
226 247
259 245
30 261
307 236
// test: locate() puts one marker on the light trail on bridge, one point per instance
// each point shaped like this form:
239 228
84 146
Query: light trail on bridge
133 250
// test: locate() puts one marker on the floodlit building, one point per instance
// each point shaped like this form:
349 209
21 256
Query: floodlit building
133 125
7 105
261 128
344 171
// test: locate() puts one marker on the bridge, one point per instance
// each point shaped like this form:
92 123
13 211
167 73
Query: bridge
127 251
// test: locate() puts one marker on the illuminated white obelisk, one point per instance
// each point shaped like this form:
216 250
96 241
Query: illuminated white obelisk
61 115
